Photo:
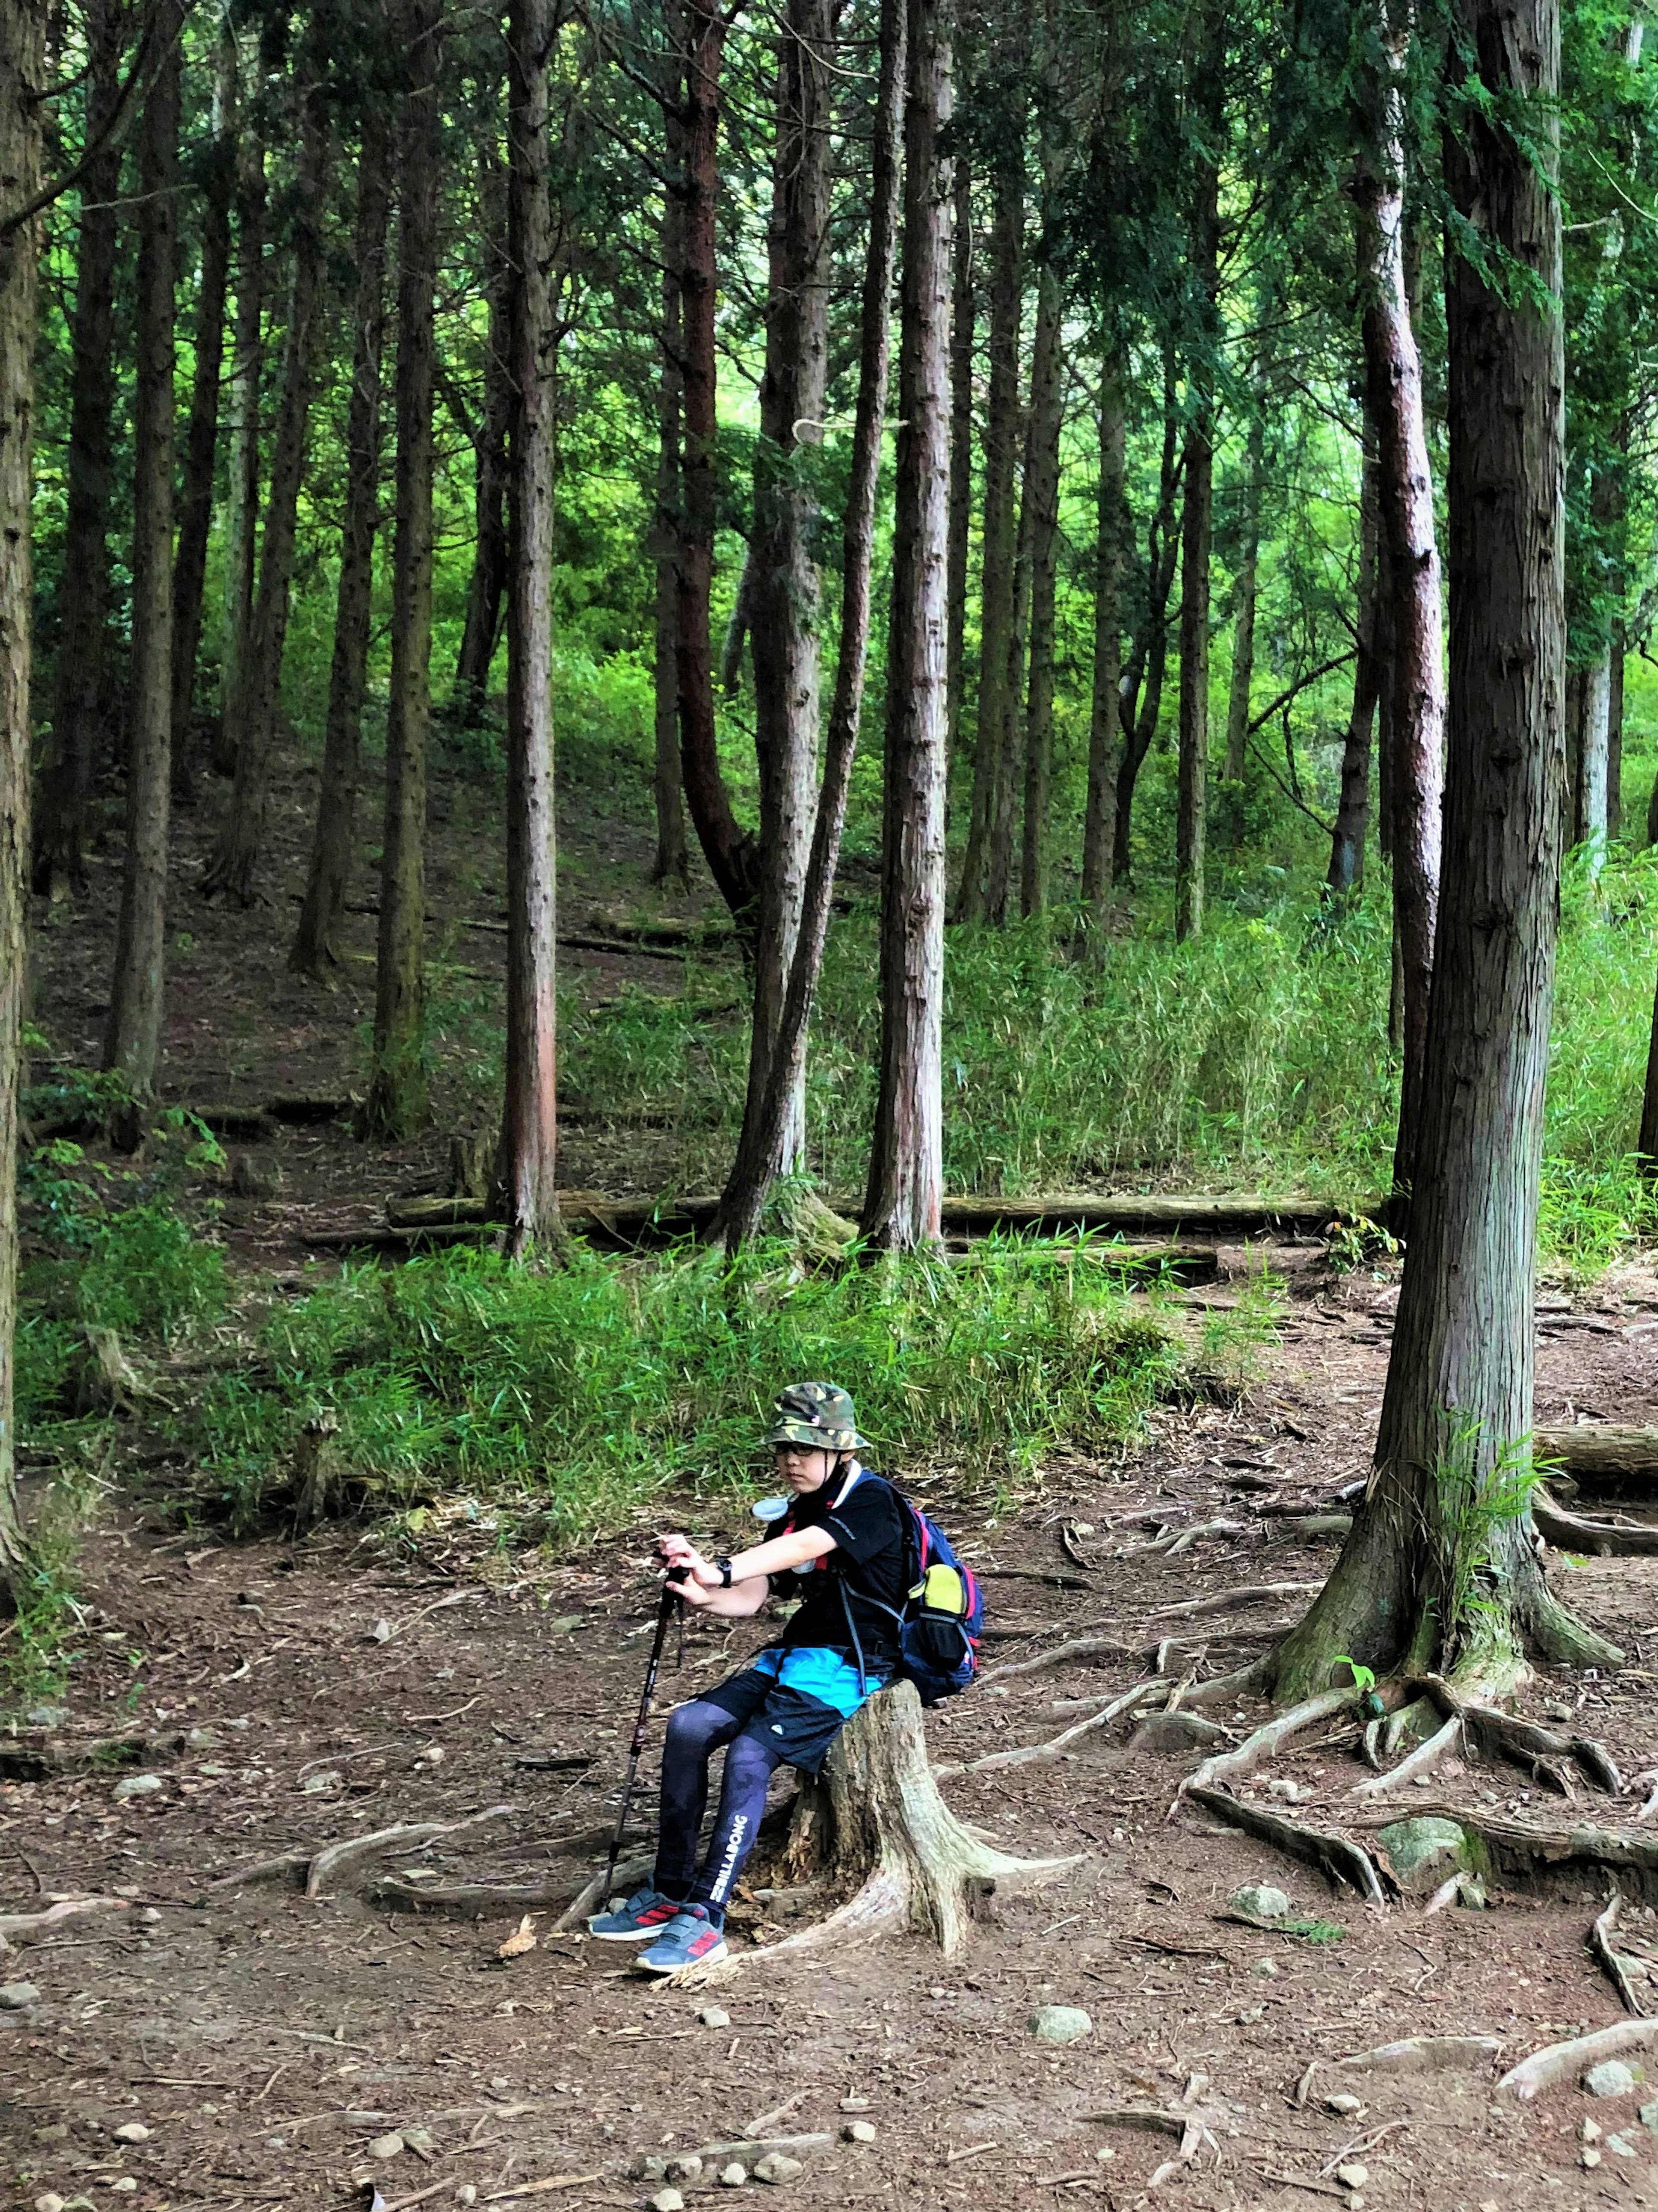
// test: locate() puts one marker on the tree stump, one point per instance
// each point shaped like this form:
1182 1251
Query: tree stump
873 1823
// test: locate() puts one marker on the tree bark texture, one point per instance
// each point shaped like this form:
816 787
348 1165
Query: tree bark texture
962 311
1104 724
1141 700
1393 394
1236 756
760 1147
530 1128
22 80
1010 741
1593 761
729 849
1445 1522
83 597
333 841
1001 524
396 1101
256 707
1042 490
906 1175
132 1036
1615 735
488 584
202 432
1197 525
1345 873
671 857
794 399
242 522
1646 1144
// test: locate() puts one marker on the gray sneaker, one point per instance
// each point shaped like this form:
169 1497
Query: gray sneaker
646 1913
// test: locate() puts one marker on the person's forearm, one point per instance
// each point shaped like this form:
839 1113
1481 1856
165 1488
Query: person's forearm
735 1603
778 1554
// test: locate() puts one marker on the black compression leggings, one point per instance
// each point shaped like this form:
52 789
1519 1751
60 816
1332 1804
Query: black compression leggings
695 1733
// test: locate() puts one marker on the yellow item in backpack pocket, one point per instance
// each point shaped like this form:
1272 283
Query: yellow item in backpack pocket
942 1589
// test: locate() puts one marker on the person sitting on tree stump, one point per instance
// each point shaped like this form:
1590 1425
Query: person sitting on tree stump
844 1538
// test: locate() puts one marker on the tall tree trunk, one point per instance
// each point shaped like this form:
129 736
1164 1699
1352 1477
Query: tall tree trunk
23 77
906 1173
241 520
1235 760
999 562
760 1150
793 399
672 857
1197 522
333 841
1345 873
489 582
1010 740
202 433
1646 1144
1615 735
530 1128
730 851
1592 761
66 783
241 841
1392 388
396 1101
1104 724
1440 1566
1141 700
132 1037
961 316
1046 415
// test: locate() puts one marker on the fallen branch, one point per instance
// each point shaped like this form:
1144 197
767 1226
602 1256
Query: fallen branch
1340 1859
1561 2062
1234 1601
1571 1532
337 1858
1425 2054
751 2147
1062 1655
15 1924
1227 1766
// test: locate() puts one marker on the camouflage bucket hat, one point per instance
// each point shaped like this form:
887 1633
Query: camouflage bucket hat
817 1415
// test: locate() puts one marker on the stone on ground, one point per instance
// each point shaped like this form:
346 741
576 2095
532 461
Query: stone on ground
734 2175
1260 1898
667 2200
1352 2177
712 2016
859 2131
1059 2024
777 2166
1422 1852
1611 2078
17 1996
687 2168
386 2146
136 1786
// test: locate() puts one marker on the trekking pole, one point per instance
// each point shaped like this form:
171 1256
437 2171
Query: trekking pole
664 1614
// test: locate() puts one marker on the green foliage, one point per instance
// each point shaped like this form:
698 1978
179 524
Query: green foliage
1473 1503
587 1389
1363 1676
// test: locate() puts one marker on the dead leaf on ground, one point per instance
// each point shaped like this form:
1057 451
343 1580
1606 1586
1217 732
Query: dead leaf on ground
522 1939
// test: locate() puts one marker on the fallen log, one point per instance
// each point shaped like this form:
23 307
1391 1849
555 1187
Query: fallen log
1243 1214
1602 1454
1573 1532
300 1112
252 1124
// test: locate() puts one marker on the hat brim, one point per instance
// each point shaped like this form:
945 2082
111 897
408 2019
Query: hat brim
812 1439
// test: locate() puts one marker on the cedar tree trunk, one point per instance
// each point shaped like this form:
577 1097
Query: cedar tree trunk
332 842
906 1174
1192 795
1141 699
1345 873
1105 727
672 857
962 313
1440 1567
488 582
396 1101
1046 415
132 1036
242 522
1235 760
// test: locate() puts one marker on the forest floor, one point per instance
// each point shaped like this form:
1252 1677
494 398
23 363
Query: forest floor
285 1695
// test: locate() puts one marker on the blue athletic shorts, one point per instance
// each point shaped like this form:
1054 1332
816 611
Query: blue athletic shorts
795 1702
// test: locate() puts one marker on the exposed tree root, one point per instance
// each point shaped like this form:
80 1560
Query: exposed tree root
16 1925
1616 1963
1342 1860
1565 2061
1574 1532
1062 1655
1227 1766
874 1821
324 1867
1523 1741
1518 1849
1224 1689
1234 1601
592 1895
1425 1756
1054 1746
1425 2054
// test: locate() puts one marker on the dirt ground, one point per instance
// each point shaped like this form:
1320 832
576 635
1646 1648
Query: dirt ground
287 1696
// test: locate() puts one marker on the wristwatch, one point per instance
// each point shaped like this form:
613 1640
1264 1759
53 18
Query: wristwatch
724 1567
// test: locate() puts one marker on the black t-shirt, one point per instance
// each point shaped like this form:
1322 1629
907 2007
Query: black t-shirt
871 1531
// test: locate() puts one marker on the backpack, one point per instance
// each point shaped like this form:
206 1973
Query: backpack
943 1612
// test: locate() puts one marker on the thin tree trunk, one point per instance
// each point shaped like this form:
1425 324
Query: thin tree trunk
1010 741
23 76
1141 700
530 1130
132 1037
672 857
333 841
1592 761
1047 411
906 1175
760 1147
1615 736
730 850
960 447
66 783
1105 725
1646 1144
793 399
202 435
397 1098
1236 762
241 843
1393 385
998 567
1345 873
489 583
1197 522
1441 1565
242 522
